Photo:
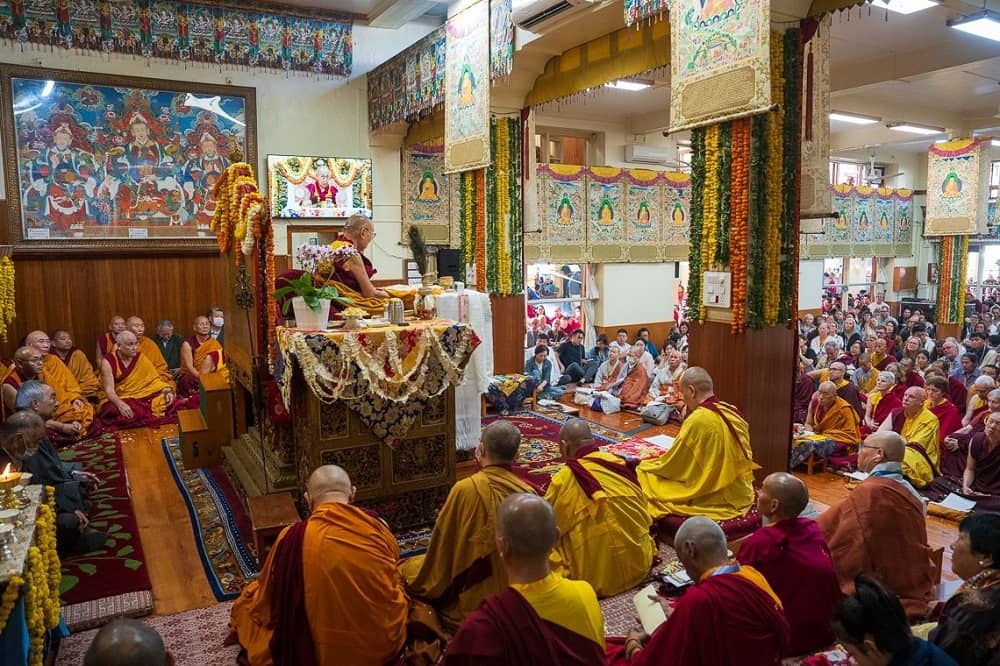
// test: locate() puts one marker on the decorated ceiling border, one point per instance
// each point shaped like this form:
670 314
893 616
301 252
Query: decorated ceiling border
185 32
410 86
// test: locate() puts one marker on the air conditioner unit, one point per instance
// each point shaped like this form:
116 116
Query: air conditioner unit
643 154
540 16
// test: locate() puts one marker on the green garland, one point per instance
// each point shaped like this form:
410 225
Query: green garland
725 189
492 215
697 192
790 176
504 179
756 222
466 187
515 225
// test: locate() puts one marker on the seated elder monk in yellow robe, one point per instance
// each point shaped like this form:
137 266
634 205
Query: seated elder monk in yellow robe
919 427
709 469
149 349
201 354
461 566
28 366
329 593
72 407
135 393
602 515
77 363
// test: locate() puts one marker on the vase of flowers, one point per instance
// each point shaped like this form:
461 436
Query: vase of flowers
311 304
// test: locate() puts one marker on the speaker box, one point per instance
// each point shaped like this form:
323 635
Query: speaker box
449 262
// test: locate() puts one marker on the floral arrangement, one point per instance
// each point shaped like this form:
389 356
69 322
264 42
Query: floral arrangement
954 259
314 258
744 201
7 301
237 178
504 222
305 288
354 313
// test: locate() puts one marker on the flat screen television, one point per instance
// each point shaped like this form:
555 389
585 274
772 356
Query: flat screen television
319 187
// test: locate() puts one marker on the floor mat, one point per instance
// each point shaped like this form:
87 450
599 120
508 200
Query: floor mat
221 524
193 637
112 581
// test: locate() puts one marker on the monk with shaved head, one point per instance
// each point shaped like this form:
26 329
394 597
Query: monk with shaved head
201 354
729 616
709 469
127 642
72 409
601 509
462 565
542 618
920 429
879 529
135 393
329 593
106 341
833 424
148 348
790 551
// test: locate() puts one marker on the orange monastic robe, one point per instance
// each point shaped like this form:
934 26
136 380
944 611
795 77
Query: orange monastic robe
67 389
153 354
839 423
139 382
83 372
354 599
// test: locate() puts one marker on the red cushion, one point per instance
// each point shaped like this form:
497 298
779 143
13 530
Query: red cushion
734 528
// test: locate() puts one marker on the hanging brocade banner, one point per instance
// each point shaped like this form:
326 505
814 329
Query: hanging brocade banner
640 10
868 222
426 193
720 61
467 89
957 187
814 193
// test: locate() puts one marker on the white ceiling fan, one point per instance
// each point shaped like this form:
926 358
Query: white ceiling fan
875 179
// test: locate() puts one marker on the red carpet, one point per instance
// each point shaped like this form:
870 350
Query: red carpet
113 579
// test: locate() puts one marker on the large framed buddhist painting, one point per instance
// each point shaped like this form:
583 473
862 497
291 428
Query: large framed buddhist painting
113 163
319 187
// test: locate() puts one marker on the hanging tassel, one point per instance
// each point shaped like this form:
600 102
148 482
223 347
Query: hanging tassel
810 72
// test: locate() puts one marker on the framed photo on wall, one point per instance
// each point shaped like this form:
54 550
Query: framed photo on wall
117 164
319 187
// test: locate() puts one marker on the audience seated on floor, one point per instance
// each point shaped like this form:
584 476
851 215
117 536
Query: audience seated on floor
978 401
136 394
542 618
46 465
462 565
107 340
77 363
329 593
602 516
872 626
879 528
666 377
791 553
628 390
881 402
834 423
709 469
968 627
201 354
729 616
948 416
609 371
539 368
978 478
21 436
127 642
169 343
837 373
573 359
919 428
148 348
72 408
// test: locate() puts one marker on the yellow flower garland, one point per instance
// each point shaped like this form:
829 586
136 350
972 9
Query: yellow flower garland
503 206
10 596
7 301
710 214
772 217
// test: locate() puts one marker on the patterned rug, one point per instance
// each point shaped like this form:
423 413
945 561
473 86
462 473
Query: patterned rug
595 427
193 637
221 524
112 581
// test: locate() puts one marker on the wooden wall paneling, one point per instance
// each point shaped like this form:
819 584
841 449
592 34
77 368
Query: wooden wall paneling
755 372
659 331
508 333
81 294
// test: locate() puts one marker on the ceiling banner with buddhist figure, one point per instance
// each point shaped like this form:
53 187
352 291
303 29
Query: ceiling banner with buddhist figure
467 89
426 197
957 187
868 222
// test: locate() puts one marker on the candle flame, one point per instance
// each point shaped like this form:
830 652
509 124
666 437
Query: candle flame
6 471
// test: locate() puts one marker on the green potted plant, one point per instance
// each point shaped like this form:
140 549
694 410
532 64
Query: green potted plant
310 303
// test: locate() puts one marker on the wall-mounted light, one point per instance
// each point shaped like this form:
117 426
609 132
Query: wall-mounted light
912 128
905 6
854 118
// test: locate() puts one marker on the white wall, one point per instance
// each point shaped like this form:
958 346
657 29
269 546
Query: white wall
296 114
636 293
810 284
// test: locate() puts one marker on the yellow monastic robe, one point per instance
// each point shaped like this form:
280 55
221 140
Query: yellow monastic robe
869 384
211 347
83 373
139 381
155 356
67 390
558 601
707 472
464 533
354 600
605 539
923 430
839 423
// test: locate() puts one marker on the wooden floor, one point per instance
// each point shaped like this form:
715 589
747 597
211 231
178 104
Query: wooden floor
172 556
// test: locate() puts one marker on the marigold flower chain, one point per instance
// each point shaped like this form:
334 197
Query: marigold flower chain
695 309
772 242
739 210
8 304
710 202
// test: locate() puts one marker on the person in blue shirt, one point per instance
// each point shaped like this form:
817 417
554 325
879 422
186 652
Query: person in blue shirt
872 627
650 347
539 367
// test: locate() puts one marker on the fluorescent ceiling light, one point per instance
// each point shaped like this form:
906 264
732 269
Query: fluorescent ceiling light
995 143
982 24
623 84
854 118
915 129
905 6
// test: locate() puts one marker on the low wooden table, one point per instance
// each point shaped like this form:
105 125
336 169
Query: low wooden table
269 514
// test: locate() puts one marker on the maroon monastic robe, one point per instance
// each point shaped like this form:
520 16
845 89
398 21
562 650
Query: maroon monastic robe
948 417
793 557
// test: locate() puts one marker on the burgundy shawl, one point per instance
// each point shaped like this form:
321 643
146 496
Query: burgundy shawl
292 641
588 482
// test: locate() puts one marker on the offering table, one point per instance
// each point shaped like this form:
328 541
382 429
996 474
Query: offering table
379 402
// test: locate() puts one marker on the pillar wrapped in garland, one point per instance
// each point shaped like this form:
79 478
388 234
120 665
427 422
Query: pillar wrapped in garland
954 263
744 201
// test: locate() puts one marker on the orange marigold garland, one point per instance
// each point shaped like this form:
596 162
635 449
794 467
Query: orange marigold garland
739 219
772 216
480 213
236 180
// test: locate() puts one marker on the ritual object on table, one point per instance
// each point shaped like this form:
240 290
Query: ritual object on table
352 318
8 481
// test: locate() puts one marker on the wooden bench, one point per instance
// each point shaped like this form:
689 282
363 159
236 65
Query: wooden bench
269 514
